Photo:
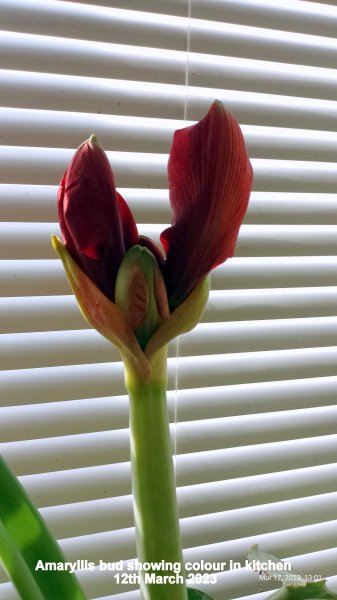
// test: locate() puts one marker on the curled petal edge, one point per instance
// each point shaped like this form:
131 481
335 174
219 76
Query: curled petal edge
184 318
103 315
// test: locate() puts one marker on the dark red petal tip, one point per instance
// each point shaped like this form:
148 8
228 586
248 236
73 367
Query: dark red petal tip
96 224
210 179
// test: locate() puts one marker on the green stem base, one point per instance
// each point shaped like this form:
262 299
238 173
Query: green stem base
153 486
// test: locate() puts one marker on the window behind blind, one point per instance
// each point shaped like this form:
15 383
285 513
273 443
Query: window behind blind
256 430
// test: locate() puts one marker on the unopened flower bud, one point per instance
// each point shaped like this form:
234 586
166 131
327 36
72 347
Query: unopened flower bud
140 293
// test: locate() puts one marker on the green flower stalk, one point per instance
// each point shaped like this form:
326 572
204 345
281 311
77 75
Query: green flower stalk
153 488
140 299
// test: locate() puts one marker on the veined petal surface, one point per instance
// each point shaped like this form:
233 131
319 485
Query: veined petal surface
210 179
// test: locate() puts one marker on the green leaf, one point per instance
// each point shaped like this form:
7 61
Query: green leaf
193 594
274 567
25 540
310 591
296 586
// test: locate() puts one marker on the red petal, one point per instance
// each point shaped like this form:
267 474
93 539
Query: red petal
153 247
210 179
129 227
96 223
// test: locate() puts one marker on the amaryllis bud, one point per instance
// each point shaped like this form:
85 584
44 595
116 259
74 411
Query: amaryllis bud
140 293
96 223
210 178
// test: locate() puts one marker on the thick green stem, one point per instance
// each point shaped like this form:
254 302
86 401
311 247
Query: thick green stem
153 486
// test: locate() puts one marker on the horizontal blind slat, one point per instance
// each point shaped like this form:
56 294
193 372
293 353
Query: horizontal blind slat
90 94
37 203
29 277
46 277
149 29
269 304
22 386
229 584
83 518
331 581
282 456
257 273
76 485
103 545
121 97
88 449
291 208
47 165
216 465
109 515
234 583
93 23
298 17
251 490
293 15
77 57
39 313
136 169
253 336
285 543
243 489
99 414
32 240
176 7
247 42
227 588
52 348
64 129
116 513
34 203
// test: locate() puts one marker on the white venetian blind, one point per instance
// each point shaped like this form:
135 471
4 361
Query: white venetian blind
257 417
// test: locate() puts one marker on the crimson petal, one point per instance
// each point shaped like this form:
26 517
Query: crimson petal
96 223
210 179
153 247
129 227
